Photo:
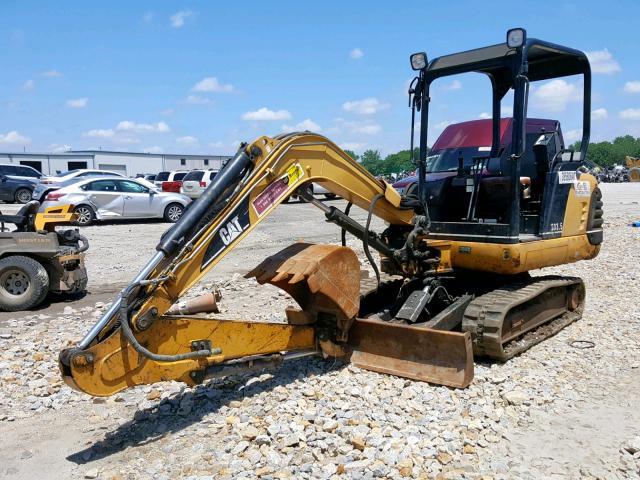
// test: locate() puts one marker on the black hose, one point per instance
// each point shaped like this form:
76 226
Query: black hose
343 232
85 243
126 329
365 238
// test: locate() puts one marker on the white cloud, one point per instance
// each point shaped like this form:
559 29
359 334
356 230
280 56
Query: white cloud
369 129
77 102
52 74
599 114
554 96
178 18
632 87
14 138
197 100
154 149
28 85
366 127
455 85
356 54
603 62
366 106
100 133
187 141
211 84
307 124
572 136
265 115
630 114
485 115
127 126
57 148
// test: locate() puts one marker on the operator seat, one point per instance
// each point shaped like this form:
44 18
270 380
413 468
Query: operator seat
23 218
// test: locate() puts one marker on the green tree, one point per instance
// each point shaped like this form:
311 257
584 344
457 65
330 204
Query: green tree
607 154
400 162
372 161
352 154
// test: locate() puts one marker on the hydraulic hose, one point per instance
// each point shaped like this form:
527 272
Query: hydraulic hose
156 357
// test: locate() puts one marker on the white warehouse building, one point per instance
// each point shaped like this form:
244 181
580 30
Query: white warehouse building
129 164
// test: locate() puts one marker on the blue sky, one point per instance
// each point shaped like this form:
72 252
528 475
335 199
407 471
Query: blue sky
198 77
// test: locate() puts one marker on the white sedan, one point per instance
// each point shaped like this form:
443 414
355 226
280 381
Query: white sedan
110 198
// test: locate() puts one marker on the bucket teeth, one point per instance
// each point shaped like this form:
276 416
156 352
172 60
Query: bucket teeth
323 279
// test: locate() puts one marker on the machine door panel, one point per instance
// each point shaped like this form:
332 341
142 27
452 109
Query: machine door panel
138 202
104 197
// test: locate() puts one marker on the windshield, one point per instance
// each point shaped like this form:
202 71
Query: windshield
162 177
195 176
447 160
179 176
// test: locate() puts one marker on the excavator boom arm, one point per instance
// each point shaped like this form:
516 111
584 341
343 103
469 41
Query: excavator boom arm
134 343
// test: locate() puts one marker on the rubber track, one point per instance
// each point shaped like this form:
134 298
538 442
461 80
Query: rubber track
484 317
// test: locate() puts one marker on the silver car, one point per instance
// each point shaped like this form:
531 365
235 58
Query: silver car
109 198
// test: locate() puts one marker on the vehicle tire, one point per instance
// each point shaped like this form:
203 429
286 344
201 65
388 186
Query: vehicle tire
329 196
24 283
23 195
86 215
173 212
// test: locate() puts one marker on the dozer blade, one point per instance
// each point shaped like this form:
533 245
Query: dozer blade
434 356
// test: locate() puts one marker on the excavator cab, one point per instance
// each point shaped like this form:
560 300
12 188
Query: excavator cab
450 282
527 170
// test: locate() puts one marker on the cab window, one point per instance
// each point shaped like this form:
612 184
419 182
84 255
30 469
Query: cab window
132 187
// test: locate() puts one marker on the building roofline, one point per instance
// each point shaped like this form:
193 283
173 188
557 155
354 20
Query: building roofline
92 153
148 154
47 154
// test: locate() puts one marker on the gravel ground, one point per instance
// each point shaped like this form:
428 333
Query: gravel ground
553 412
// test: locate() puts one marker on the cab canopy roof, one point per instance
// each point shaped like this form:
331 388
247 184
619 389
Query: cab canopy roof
541 61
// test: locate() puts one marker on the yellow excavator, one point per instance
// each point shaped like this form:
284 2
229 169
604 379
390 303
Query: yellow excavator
633 164
455 257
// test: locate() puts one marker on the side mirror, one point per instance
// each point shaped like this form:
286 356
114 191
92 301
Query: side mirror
152 192
3 178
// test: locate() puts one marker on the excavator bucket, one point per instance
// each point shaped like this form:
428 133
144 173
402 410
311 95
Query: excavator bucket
325 281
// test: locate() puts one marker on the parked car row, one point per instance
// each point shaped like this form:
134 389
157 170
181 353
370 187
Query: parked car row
117 198
105 195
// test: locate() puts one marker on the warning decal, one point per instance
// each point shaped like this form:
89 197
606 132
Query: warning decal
276 190
567 176
582 189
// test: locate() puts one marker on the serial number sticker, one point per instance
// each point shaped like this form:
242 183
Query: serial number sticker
582 189
567 177
277 189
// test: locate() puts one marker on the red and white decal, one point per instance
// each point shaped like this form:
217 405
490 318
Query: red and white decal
277 189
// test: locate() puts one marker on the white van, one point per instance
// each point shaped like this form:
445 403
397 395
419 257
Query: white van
196 181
